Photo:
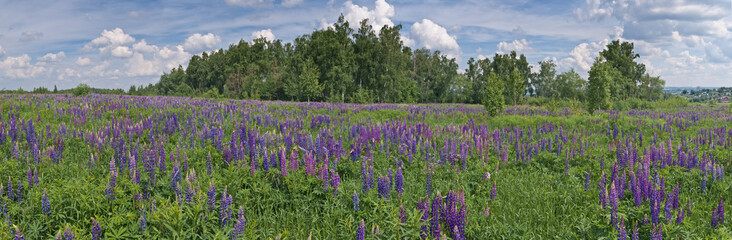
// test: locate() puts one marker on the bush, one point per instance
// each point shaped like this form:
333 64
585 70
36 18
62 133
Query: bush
81 90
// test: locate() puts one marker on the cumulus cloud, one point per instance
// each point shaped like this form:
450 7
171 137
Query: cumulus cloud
68 72
249 3
377 17
583 55
142 47
116 37
138 66
291 3
197 42
53 57
82 61
265 33
121 51
30 36
432 36
20 67
2 51
517 45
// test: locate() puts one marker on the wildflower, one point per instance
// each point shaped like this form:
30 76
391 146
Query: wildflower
96 230
384 187
399 184
142 222
355 201
68 235
361 232
46 205
493 191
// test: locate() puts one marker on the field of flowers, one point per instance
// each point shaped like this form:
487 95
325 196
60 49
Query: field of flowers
116 167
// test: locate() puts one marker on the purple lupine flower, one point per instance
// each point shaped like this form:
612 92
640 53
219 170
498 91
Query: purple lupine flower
355 201
435 218
18 234
361 232
225 211
587 180
493 191
667 211
720 210
19 191
634 235
399 182
402 214
487 211
704 184
429 185
335 181
715 217
46 205
96 230
68 234
680 216
112 183
240 224
376 233
383 188
30 178
142 222
208 164
622 235
423 206
283 162
211 196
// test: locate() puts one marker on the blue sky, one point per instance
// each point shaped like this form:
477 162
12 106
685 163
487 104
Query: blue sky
115 44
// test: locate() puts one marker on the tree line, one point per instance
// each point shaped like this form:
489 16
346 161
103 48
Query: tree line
342 64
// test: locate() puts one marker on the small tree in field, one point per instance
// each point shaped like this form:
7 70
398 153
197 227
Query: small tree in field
493 98
82 90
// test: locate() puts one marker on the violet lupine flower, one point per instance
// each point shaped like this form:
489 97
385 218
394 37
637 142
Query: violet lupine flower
10 189
667 211
423 206
355 201
240 224
68 234
622 235
383 188
634 235
402 214
704 184
283 162
720 210
19 191
429 185
613 204
680 216
493 191
361 232
142 222
96 230
335 181
46 205
18 234
487 211
30 178
224 210
715 217
211 196
399 182
112 182
376 233
435 218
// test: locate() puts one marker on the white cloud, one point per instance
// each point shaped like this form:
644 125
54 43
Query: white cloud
249 3
517 45
266 33
377 18
20 67
2 51
138 66
68 72
116 37
172 57
82 61
142 47
291 3
435 37
583 55
53 57
197 42
120 51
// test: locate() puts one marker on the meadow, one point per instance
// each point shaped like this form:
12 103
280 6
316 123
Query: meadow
124 167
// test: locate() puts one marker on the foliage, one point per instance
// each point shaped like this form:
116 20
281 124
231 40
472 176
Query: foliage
81 90
598 94
493 98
